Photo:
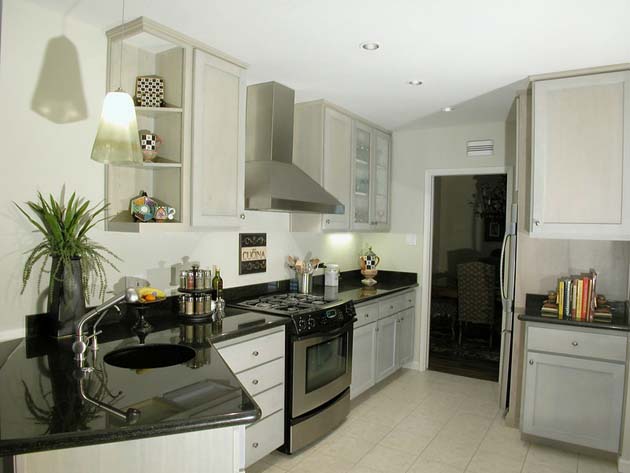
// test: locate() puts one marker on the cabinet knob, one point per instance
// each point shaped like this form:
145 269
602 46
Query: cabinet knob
254 382
377 329
255 445
391 307
537 223
255 353
327 221
531 362
242 216
574 343
367 316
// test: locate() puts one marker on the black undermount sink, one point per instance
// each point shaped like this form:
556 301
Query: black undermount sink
153 355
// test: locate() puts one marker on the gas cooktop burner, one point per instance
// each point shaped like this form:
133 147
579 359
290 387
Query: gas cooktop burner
286 303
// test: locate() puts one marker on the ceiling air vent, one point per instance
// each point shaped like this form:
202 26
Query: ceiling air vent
480 148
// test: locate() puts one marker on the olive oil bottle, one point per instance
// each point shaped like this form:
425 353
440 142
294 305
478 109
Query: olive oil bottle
217 284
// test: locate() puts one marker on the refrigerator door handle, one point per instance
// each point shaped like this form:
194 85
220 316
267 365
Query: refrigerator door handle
504 296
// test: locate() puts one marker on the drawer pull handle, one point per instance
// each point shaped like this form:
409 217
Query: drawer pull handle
574 343
531 362
254 382
255 353
255 445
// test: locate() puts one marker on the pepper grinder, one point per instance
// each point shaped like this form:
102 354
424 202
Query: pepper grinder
219 312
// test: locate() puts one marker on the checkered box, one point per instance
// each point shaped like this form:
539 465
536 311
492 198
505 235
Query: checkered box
149 91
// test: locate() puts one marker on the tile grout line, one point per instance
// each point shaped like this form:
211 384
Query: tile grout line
482 439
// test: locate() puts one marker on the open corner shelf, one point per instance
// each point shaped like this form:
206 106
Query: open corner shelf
155 111
123 222
161 163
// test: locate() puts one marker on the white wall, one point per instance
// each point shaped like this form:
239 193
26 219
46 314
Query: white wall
40 155
414 152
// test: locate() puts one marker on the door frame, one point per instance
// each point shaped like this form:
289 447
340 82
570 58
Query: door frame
427 245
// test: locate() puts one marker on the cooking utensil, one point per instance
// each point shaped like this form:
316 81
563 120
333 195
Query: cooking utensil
291 261
315 263
299 266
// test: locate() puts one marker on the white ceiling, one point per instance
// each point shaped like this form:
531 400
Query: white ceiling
460 49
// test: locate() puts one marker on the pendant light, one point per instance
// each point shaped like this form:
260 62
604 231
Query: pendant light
117 136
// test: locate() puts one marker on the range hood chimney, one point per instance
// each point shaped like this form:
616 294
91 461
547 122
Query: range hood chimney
272 181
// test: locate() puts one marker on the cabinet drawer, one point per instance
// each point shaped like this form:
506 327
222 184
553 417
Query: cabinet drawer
270 401
571 342
390 306
257 351
366 313
262 377
263 437
408 299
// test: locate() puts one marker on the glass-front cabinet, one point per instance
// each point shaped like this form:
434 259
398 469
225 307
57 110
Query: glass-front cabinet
370 178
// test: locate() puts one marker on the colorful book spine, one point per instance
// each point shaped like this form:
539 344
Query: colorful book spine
574 299
585 298
560 296
578 302
566 303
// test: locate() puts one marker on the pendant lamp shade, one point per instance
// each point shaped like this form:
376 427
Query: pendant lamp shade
117 138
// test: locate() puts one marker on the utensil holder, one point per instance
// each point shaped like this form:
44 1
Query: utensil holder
305 283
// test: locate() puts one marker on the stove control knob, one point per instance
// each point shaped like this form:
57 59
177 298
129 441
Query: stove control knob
311 323
301 324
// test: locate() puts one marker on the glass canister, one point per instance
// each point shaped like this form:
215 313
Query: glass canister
331 275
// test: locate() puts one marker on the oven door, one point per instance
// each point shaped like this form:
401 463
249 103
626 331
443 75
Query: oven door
322 368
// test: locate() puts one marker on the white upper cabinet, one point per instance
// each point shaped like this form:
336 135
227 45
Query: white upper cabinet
581 157
381 173
351 160
218 149
362 165
199 169
337 152
370 179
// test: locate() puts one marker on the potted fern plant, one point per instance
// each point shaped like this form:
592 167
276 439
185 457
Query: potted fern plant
75 263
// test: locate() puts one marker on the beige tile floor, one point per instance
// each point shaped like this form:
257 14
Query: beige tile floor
429 422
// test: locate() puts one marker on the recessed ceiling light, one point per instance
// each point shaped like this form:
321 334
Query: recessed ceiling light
415 82
370 45
448 109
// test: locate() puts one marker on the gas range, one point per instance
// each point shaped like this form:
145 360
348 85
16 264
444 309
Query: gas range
310 313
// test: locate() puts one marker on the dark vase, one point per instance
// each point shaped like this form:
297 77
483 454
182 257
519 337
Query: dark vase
67 301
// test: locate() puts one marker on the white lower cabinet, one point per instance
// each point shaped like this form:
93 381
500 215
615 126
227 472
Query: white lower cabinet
386 347
258 362
573 399
383 340
263 437
404 339
209 451
363 359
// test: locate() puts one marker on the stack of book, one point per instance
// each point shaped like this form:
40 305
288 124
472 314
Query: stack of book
576 297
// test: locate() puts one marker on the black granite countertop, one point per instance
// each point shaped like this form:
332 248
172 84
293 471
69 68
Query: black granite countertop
350 287
533 303
41 407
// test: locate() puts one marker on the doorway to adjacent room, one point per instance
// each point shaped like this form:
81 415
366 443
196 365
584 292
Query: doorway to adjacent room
465 300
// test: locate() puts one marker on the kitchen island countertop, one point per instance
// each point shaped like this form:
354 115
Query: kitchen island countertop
41 407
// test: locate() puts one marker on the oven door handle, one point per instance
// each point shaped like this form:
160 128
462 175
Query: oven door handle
333 333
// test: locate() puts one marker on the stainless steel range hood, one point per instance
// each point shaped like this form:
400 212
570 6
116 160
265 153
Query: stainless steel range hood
272 181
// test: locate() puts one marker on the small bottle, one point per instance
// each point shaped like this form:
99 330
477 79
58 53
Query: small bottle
200 305
182 304
190 283
183 279
217 284
190 305
207 279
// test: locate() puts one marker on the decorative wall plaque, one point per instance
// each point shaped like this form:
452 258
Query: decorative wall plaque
252 253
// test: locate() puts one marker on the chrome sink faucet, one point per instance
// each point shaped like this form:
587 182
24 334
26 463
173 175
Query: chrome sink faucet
80 341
